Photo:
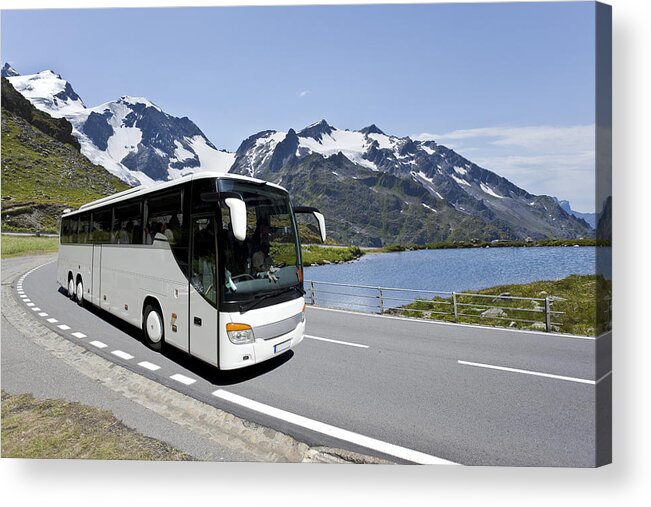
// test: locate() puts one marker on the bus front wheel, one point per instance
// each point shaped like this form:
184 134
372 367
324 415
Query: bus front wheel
154 330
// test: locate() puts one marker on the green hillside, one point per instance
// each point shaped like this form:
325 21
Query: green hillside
42 170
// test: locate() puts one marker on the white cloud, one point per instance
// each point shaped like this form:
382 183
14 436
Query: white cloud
552 160
303 93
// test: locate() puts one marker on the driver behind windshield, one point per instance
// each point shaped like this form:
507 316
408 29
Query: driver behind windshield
261 260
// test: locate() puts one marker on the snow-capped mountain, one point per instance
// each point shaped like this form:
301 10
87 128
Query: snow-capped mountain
374 187
131 137
8 71
402 175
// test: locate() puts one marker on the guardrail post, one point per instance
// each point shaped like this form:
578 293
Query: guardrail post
454 306
379 290
312 292
548 315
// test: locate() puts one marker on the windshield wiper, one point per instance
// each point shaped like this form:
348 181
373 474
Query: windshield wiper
261 297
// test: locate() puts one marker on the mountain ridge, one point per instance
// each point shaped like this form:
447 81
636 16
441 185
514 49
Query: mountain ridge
423 190
490 206
131 136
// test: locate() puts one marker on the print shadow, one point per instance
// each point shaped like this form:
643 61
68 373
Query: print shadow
225 377
192 364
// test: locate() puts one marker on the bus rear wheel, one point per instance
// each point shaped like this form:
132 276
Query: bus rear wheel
71 288
80 293
153 328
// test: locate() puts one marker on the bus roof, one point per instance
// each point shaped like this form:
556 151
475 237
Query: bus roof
143 190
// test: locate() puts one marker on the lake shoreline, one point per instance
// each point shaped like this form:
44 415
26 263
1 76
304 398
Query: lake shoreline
354 253
463 269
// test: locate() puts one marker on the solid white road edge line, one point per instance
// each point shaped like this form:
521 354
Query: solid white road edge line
536 373
335 341
326 429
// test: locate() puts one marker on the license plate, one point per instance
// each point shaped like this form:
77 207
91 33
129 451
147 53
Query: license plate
282 346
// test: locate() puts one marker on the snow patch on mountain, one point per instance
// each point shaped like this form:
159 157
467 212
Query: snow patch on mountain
48 92
490 191
351 143
460 181
385 142
211 159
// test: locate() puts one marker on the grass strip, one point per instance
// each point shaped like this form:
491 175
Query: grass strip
583 303
33 428
14 246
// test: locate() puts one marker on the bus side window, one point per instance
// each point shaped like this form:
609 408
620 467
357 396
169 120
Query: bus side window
65 230
101 226
127 224
84 228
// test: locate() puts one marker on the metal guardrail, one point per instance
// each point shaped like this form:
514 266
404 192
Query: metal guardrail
447 306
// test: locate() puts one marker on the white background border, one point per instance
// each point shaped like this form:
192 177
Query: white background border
627 480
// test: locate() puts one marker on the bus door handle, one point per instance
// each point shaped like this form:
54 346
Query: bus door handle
197 321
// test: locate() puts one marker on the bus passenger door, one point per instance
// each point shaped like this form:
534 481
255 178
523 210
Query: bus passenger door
203 323
95 280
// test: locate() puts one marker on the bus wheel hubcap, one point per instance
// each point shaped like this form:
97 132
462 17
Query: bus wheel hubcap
154 327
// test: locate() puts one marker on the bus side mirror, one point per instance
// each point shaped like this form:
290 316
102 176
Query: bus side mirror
319 218
237 209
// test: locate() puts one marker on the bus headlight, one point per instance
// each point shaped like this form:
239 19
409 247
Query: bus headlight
239 334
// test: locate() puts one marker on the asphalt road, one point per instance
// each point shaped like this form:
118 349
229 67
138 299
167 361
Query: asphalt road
405 390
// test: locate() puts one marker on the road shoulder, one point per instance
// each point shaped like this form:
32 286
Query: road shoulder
29 349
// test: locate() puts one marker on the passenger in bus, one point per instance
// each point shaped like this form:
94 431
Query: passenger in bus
261 260
122 237
168 232
148 237
203 265
174 228
129 230
136 236
154 228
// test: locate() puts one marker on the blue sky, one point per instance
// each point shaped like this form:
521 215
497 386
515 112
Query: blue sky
510 86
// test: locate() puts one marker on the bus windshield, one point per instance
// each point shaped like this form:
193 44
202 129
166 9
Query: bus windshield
269 257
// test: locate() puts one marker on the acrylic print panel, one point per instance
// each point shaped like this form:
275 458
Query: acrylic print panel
183 306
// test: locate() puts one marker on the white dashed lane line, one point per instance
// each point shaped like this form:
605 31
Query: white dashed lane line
293 418
183 379
149 366
122 354
36 309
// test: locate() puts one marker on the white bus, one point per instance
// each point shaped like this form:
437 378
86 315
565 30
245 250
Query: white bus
209 263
